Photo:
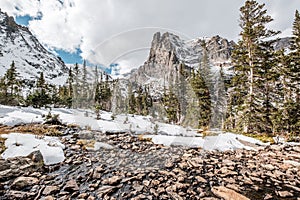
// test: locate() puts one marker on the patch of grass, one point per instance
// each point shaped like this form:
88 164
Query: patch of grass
262 137
73 126
292 137
86 143
36 129
144 139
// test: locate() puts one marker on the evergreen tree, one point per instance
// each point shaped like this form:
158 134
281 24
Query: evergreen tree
11 84
40 96
139 100
294 76
147 102
84 88
220 101
103 94
266 80
70 82
250 61
54 94
11 78
96 75
181 88
76 86
201 91
131 100
171 105
3 91
193 112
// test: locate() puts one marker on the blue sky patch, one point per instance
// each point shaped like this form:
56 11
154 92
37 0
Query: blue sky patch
23 20
70 58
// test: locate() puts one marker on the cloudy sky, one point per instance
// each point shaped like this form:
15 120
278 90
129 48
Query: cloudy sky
106 31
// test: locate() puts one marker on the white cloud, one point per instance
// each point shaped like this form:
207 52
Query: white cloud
91 24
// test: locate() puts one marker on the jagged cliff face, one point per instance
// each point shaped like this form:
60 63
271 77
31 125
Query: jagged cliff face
168 51
19 45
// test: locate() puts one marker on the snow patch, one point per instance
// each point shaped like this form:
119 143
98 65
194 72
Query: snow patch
23 144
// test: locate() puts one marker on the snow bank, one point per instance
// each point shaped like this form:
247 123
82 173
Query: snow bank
161 133
168 140
86 118
23 144
221 142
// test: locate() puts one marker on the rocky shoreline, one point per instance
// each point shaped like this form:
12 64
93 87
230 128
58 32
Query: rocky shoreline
126 167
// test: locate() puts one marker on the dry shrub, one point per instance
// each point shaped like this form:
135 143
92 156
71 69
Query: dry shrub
144 139
86 143
36 129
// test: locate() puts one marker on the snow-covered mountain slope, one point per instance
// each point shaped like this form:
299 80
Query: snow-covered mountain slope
19 45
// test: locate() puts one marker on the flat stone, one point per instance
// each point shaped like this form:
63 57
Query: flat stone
169 164
83 196
5 173
268 167
285 194
113 180
268 196
227 194
49 198
20 195
146 183
201 179
292 162
22 182
138 188
50 190
71 186
106 189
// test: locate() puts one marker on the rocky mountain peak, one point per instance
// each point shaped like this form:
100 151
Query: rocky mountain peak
219 49
168 51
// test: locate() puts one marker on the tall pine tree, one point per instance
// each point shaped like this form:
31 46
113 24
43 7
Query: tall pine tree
12 86
294 75
201 90
250 62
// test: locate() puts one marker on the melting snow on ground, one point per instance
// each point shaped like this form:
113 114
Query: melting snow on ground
23 144
160 133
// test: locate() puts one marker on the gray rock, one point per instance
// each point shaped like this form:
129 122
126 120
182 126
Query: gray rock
3 165
50 190
36 156
22 182
86 134
227 194
113 180
284 194
13 194
106 189
71 186
49 198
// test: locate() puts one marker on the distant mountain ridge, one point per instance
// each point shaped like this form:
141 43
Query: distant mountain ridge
18 44
168 51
